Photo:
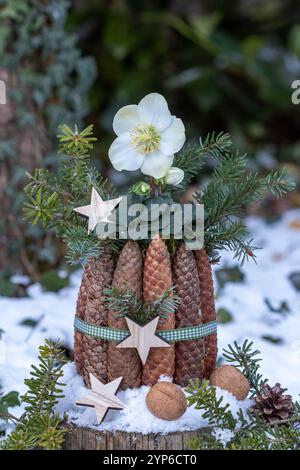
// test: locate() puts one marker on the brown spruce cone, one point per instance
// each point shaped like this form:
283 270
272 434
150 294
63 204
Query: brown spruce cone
128 274
189 355
208 310
80 312
100 274
272 404
157 279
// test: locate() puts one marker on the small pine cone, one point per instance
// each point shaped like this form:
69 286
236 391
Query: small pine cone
100 274
189 355
208 310
128 274
272 404
80 312
157 279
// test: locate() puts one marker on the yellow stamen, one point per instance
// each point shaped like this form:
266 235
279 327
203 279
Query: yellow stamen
145 139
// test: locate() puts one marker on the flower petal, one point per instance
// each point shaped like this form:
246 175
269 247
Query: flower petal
126 119
153 109
172 138
156 164
174 176
123 156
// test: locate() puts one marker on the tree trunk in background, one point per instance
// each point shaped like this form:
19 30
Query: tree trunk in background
31 143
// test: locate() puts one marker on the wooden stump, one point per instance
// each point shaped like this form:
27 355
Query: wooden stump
90 439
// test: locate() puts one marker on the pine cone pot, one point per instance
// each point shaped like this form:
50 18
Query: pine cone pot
272 405
99 275
128 274
189 355
207 308
157 279
80 312
193 279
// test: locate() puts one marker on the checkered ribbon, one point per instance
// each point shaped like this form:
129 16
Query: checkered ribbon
171 336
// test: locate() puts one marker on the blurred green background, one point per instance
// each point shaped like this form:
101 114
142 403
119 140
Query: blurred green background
222 66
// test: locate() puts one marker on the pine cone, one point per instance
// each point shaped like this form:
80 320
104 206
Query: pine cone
100 274
157 279
80 312
189 355
128 274
207 308
272 404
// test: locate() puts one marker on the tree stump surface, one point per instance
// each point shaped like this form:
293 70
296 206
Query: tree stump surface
78 438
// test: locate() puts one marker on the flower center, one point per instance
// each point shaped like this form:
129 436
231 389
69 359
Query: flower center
145 139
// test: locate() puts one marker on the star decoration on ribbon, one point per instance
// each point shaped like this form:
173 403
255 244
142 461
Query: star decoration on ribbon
98 210
103 397
143 338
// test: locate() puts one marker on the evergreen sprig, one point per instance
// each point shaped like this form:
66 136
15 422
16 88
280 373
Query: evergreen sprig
75 143
248 361
51 198
245 430
192 158
80 246
40 426
229 191
204 398
44 387
129 304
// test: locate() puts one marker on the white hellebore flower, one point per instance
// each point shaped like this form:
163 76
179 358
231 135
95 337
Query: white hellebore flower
147 137
174 176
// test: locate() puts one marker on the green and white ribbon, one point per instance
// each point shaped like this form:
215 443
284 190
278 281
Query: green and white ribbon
117 335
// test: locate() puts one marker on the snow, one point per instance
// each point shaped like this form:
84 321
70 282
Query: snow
246 301
135 417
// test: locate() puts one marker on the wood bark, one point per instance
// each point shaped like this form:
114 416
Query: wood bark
90 439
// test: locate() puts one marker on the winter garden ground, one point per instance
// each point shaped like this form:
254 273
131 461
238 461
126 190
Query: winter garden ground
260 302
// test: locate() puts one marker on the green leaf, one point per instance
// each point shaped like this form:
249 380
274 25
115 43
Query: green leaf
51 281
8 288
11 399
224 316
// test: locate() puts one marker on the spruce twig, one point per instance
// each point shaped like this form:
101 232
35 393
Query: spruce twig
39 426
246 430
51 198
128 304
246 359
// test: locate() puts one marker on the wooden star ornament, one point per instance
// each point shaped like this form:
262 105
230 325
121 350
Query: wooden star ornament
103 397
98 210
143 338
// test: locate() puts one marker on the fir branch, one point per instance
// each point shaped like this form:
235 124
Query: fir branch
74 143
43 207
81 247
39 426
245 430
129 304
44 387
48 427
215 145
230 190
192 158
277 183
246 359
229 236
190 161
20 439
204 398
51 198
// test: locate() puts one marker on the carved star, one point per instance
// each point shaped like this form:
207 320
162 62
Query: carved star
103 397
98 210
143 338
